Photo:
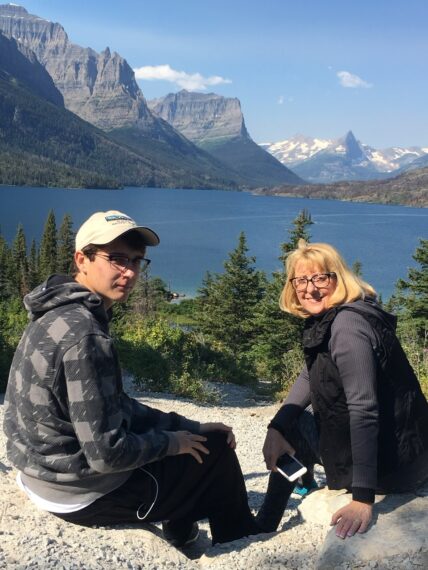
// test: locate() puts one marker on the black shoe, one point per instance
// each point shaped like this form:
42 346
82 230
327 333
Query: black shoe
179 534
275 501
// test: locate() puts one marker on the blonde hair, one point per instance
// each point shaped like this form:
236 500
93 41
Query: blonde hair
324 256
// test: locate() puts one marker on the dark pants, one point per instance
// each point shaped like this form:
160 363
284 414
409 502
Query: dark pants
303 437
186 491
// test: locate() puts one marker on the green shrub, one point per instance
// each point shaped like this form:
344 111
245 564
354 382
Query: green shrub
13 319
416 349
163 358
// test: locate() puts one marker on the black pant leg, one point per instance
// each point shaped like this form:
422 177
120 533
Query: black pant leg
179 488
303 437
214 489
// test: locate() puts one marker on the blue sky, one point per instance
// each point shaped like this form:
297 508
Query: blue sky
315 67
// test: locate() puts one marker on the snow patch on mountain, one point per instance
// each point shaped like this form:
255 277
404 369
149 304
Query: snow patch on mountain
300 148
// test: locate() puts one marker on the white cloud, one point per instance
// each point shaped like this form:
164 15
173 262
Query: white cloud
189 81
347 79
282 99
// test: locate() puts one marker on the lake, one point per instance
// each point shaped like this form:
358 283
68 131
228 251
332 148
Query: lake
198 228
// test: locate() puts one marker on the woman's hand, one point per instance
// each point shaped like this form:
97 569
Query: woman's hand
352 518
191 443
275 445
219 426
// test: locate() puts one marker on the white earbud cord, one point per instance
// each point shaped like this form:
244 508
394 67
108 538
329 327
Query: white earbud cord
139 517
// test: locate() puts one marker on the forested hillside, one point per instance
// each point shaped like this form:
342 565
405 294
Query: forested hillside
408 189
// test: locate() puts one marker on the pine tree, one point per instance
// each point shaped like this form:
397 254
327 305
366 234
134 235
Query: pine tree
6 270
411 296
33 266
65 245
357 268
298 231
20 263
48 248
228 301
148 296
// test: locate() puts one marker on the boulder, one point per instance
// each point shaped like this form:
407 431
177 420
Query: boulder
397 537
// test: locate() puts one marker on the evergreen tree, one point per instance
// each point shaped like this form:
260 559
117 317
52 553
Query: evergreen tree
228 301
357 268
6 270
65 245
48 248
279 332
20 263
33 266
148 296
298 231
411 296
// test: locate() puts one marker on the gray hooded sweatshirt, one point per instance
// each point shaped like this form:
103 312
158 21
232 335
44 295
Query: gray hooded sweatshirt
71 430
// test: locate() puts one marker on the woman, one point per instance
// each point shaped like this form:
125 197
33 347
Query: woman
357 407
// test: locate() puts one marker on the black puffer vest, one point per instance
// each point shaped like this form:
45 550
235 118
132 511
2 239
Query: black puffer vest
403 409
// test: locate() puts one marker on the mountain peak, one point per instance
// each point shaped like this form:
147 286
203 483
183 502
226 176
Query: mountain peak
350 136
202 117
13 9
353 149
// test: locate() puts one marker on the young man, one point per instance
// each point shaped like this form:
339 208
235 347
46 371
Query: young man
84 450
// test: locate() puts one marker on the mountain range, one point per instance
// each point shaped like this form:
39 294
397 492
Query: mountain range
216 124
70 116
101 89
44 144
345 158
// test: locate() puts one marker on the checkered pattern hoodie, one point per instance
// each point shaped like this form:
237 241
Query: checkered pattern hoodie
67 419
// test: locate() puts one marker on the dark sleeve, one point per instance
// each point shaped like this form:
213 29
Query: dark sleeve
145 417
297 400
352 349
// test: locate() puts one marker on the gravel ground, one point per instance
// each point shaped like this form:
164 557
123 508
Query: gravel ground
31 538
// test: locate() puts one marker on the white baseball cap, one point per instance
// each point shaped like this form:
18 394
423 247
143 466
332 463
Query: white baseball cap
104 227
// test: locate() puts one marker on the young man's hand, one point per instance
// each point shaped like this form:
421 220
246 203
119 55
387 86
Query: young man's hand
219 426
191 443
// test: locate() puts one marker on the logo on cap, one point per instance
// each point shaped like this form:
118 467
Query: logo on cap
117 217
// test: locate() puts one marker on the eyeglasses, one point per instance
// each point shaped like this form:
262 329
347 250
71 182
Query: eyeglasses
123 263
319 280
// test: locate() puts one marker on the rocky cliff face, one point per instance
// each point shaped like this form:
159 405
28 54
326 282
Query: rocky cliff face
22 64
202 118
99 87
216 124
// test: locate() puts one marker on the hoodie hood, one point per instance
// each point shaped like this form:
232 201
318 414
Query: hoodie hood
61 290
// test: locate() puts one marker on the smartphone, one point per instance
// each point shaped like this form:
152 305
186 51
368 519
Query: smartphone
288 466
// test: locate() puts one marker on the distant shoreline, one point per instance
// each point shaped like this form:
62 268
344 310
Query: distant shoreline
309 192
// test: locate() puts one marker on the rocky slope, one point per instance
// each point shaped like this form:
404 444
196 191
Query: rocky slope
44 144
205 119
216 124
22 64
98 87
101 89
